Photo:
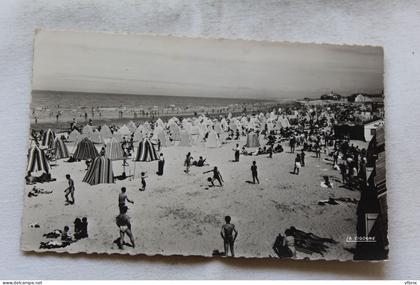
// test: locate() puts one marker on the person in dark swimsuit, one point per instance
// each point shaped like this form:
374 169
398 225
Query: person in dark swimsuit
216 176
229 234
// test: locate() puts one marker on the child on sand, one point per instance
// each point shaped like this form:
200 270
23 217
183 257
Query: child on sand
143 181
69 190
237 152
229 234
297 164
216 176
254 172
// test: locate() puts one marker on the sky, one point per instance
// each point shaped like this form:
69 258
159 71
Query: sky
165 65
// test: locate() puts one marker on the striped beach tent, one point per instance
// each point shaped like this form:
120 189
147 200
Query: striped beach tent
60 149
48 138
113 150
100 171
37 161
85 150
146 151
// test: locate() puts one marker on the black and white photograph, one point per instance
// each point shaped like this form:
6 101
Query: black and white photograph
164 145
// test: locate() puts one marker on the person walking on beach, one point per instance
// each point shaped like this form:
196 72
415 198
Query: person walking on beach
122 197
297 164
124 224
254 172
69 190
143 181
187 162
229 235
216 176
161 164
237 151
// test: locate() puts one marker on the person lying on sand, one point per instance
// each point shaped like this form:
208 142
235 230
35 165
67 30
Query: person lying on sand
216 176
229 235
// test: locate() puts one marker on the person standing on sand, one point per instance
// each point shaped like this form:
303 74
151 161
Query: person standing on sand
229 235
237 152
69 190
143 181
187 162
297 164
122 197
292 143
216 176
254 172
124 224
302 158
161 164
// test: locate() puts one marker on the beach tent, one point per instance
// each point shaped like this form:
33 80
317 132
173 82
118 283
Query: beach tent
146 151
48 138
113 150
87 130
105 132
118 137
131 126
37 161
124 131
96 137
212 139
100 171
175 132
252 140
159 134
185 138
138 135
85 150
74 136
60 149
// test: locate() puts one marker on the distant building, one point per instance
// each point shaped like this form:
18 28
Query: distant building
331 96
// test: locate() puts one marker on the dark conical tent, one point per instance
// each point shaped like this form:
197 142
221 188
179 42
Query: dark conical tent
100 171
37 161
146 151
48 138
60 149
85 150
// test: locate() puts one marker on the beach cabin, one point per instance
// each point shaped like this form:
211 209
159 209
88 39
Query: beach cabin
370 129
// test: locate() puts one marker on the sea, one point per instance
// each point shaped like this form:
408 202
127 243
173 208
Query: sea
75 100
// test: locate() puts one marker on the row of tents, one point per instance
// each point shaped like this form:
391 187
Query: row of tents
100 170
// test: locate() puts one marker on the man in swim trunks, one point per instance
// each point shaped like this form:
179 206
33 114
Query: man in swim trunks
124 224
122 197
69 190
229 234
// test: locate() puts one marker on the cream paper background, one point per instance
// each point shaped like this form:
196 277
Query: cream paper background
395 25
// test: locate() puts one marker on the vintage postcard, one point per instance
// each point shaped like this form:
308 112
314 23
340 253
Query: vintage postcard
146 144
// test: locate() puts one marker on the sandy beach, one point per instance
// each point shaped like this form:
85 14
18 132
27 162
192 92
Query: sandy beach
179 214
